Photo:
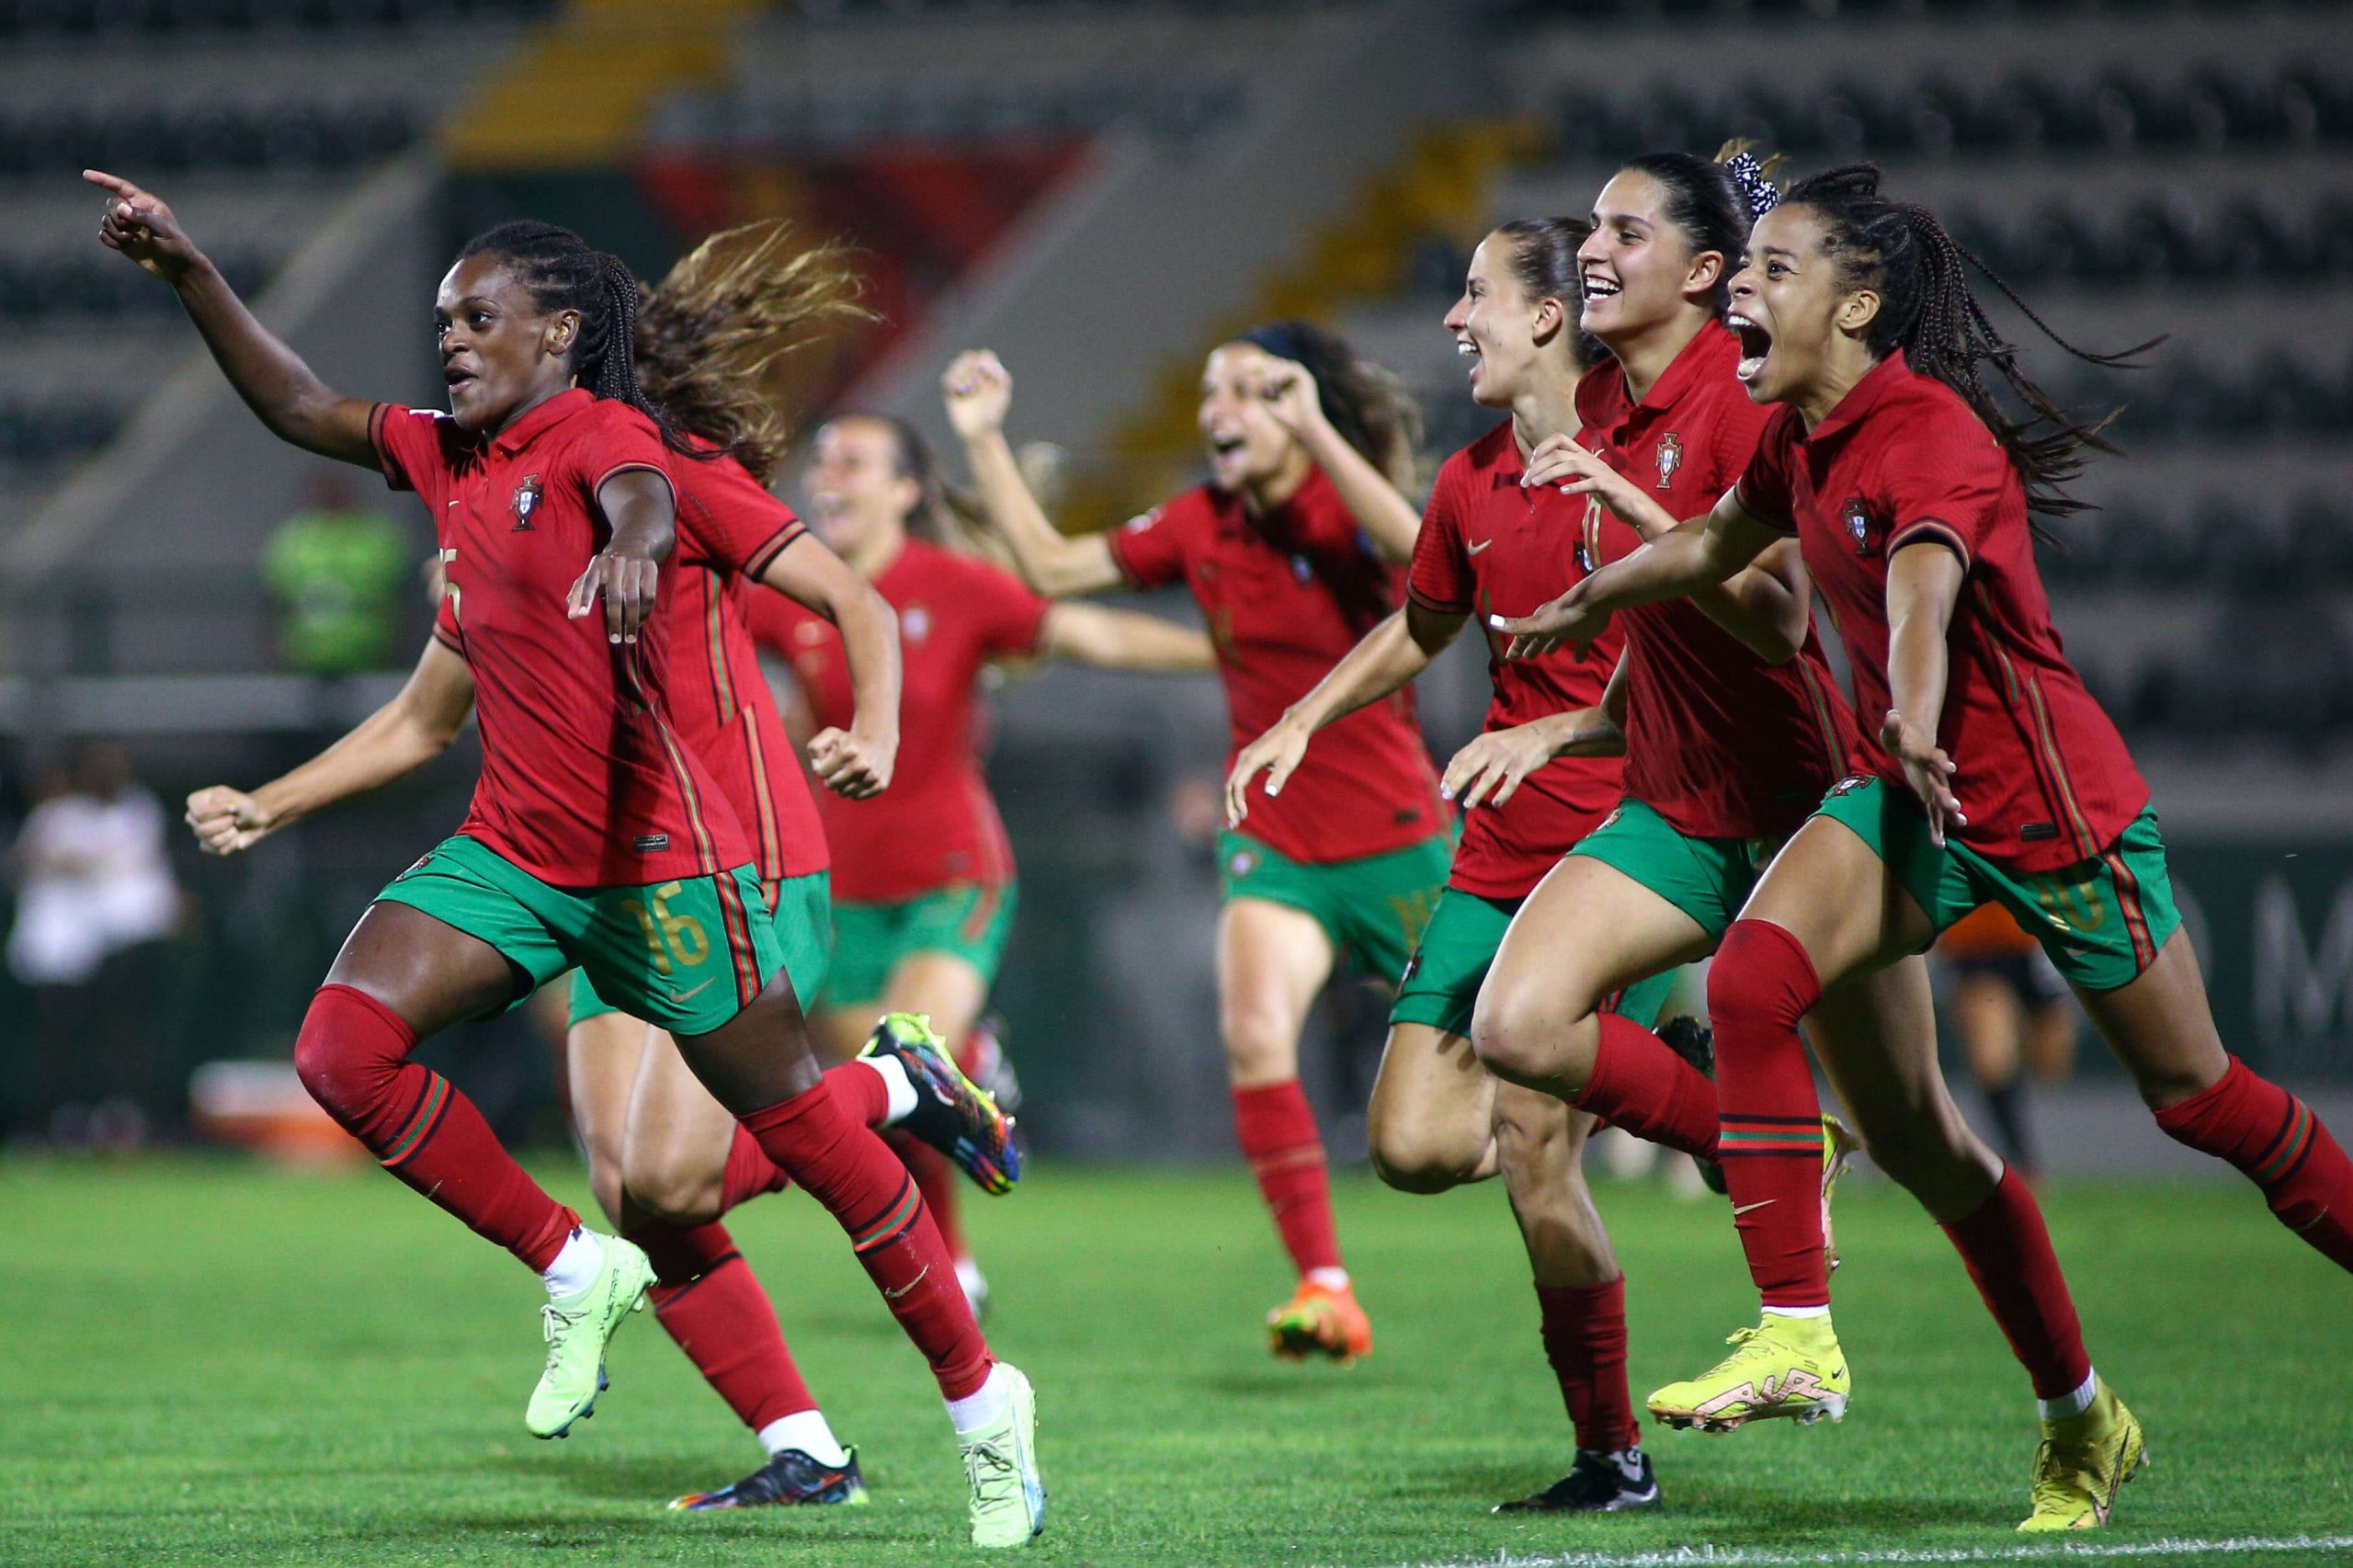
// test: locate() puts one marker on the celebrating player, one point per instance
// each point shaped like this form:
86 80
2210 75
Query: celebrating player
1291 549
1997 778
596 839
924 872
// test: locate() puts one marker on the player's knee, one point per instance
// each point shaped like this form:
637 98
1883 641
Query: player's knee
1760 979
1260 1046
677 1190
1517 1032
345 1055
1411 1154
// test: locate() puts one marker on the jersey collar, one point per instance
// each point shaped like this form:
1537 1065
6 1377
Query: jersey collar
562 406
1707 352
1862 396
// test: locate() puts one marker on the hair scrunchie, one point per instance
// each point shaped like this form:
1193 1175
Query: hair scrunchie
1749 176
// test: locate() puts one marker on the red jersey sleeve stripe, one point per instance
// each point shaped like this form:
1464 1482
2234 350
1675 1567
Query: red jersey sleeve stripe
441 635
1433 606
625 467
1930 528
388 465
756 564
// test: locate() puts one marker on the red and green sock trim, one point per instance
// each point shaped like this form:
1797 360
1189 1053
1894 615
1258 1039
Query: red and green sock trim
1787 1135
427 1116
895 1221
2286 1148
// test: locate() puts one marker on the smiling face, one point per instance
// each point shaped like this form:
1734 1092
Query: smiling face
1638 271
1800 326
1247 446
1498 329
500 354
855 490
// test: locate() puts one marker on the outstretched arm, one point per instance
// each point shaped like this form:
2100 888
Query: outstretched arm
1124 640
1923 584
1388 657
272 378
979 394
394 741
856 763
1390 521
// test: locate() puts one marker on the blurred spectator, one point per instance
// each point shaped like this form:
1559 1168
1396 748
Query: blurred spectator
95 904
2013 1019
338 572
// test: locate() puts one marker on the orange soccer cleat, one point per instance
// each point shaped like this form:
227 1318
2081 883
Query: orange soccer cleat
1319 1320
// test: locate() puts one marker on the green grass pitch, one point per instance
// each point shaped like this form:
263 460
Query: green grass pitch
205 1361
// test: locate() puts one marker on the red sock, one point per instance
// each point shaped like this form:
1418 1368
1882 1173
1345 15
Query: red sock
352 1054
1642 1085
937 1181
1758 988
2277 1142
1584 1338
2008 1253
707 1297
749 1170
850 1170
1278 1138
860 1090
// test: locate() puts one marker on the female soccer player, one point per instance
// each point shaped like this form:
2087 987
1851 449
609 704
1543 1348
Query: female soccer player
1292 550
924 874
1909 487
595 839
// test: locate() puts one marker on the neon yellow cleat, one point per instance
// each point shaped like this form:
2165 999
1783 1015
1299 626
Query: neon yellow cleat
577 1328
1839 1148
2083 1460
1008 1494
1784 1367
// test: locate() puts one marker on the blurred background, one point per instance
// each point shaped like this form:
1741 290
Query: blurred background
1100 190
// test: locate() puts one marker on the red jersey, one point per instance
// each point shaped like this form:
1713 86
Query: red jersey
936 824
1720 742
1488 546
1286 596
583 782
2043 777
730 531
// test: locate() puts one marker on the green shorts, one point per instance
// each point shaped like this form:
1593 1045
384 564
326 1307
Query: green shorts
967 920
1441 983
2103 921
687 954
801 910
1373 907
1707 879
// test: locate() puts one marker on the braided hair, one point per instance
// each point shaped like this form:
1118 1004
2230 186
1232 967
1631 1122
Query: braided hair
1900 252
1543 259
563 274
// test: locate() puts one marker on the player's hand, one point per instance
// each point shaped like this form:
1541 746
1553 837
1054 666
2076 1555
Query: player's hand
627 583
1559 461
978 390
143 228
1926 768
856 766
1290 393
1491 768
1565 619
227 820
1276 754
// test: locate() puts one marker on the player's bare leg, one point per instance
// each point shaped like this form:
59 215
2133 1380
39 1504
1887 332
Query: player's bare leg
1432 1122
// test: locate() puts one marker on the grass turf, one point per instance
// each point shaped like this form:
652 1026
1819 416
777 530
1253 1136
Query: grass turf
206 1361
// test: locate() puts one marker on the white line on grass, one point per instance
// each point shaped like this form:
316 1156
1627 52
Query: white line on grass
2056 1551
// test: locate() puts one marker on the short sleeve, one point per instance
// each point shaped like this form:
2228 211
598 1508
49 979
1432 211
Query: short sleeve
1009 618
730 518
624 440
412 445
1764 489
1945 484
1440 579
1149 550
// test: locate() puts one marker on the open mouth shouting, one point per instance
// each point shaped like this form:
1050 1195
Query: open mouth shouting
1755 347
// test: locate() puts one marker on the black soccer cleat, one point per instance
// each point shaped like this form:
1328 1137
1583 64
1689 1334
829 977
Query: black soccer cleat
1696 1043
789 1478
1594 1485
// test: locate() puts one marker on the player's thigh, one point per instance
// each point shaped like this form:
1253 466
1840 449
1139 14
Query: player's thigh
429 973
601 1054
1830 889
1431 1124
2161 1026
1588 931
1876 1039
761 1057
1271 962
948 987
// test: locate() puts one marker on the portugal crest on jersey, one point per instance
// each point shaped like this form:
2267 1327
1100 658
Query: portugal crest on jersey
1859 526
1670 458
527 501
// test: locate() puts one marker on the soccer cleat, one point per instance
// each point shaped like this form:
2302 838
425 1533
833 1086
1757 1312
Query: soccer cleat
1320 1321
1784 1367
577 1328
1008 1494
790 1477
1696 1043
1594 1485
2083 1460
1839 1148
952 1114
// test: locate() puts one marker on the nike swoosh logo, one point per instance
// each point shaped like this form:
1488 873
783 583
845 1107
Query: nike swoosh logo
690 995
1482 544
1738 1209
895 1295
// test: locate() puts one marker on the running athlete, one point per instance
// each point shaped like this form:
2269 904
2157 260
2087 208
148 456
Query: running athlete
1292 550
1542 773
925 874
1910 488
594 838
